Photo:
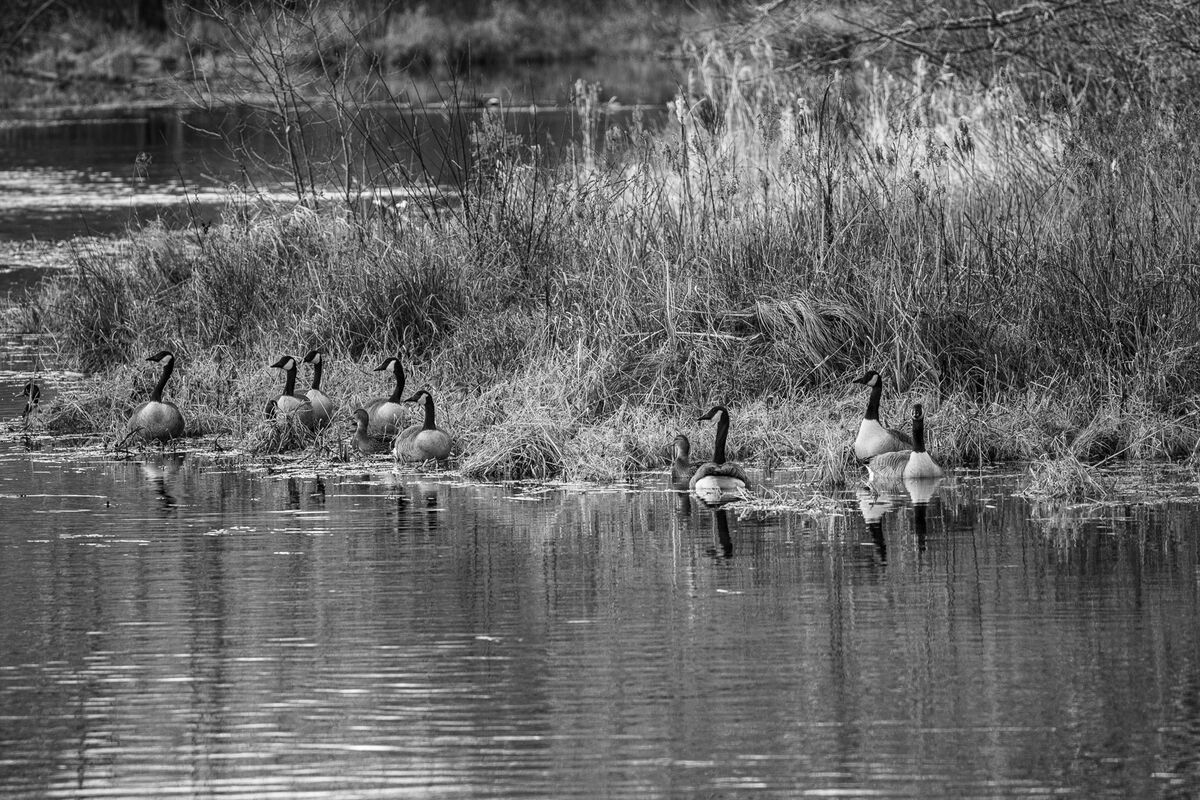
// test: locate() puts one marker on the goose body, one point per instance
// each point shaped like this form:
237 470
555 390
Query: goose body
873 438
386 413
423 441
914 464
322 406
364 441
682 468
290 404
157 420
718 477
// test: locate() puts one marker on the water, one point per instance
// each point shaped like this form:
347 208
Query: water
109 173
178 625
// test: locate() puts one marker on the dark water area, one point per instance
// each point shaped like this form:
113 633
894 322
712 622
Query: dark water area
107 174
199 625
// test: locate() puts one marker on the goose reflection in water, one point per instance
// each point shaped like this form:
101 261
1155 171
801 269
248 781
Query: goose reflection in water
874 505
293 494
722 546
159 470
921 491
882 497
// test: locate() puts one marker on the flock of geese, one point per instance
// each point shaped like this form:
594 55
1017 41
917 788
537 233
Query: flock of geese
888 454
377 424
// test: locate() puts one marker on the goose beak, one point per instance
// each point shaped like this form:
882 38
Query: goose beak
382 366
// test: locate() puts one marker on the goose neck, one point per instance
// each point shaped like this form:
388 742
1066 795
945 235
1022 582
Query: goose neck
398 395
429 423
289 385
168 368
873 402
722 435
318 366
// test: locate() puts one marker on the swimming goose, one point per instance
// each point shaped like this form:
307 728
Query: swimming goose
365 442
322 406
682 468
386 412
425 440
289 403
910 464
157 420
873 438
719 475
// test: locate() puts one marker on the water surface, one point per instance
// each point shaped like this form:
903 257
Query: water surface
176 625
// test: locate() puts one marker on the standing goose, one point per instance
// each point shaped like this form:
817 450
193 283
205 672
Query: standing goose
911 464
682 467
365 442
423 441
873 438
157 420
385 412
719 476
289 403
322 406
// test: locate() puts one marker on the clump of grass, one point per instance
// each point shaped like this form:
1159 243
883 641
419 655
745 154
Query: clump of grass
274 436
1065 476
517 450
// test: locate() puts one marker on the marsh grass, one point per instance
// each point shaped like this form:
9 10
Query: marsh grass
1066 476
1026 275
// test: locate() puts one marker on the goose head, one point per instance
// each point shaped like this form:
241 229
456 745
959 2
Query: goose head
313 357
421 397
361 418
871 378
683 448
716 412
286 363
163 357
392 364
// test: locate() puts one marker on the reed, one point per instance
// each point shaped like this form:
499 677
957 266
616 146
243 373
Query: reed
1027 275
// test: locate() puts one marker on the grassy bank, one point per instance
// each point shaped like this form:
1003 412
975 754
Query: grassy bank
1030 277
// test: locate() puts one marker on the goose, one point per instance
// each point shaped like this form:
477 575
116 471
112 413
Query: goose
719 476
157 420
682 467
909 464
289 403
385 412
32 394
365 442
423 441
322 406
873 438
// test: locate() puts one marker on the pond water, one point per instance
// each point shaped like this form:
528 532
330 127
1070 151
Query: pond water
105 174
191 625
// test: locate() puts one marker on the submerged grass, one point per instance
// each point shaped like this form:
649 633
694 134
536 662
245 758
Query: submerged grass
1028 276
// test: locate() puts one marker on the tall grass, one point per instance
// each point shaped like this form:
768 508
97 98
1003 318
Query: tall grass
1031 277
